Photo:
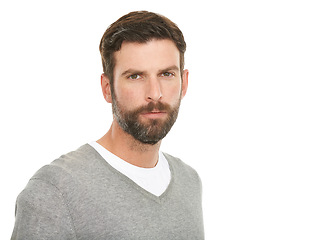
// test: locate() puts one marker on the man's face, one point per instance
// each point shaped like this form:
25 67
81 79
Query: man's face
148 88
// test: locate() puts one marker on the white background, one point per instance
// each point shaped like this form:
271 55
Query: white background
244 124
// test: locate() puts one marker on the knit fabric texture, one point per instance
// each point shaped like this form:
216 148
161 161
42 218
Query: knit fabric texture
80 196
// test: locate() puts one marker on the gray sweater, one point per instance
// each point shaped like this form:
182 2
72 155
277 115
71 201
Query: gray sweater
80 196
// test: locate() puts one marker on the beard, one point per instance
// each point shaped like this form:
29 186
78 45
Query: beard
148 132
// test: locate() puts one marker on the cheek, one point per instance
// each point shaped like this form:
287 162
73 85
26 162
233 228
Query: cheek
128 97
172 93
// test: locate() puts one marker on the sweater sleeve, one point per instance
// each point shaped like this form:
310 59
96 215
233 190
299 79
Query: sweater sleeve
41 213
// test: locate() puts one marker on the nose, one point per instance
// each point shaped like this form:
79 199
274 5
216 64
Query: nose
153 92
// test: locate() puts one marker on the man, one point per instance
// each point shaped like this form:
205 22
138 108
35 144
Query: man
122 186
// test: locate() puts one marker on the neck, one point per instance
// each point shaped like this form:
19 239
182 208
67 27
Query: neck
129 149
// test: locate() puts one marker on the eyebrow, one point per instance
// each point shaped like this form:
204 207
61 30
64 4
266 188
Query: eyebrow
171 68
134 71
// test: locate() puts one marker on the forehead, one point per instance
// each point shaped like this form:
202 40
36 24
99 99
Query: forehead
149 56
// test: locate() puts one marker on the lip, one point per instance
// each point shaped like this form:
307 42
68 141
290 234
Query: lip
154 114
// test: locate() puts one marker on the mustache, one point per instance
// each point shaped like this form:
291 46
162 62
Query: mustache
152 106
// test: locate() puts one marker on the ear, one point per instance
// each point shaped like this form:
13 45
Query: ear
184 86
106 88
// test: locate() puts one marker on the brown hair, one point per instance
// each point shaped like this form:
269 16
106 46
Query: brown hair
140 26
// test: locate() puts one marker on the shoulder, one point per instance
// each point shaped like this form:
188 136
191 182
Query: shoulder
65 173
69 167
63 177
175 161
84 155
182 169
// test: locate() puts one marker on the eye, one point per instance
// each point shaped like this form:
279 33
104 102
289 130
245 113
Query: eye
167 74
134 76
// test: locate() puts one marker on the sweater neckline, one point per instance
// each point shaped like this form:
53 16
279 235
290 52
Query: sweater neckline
159 199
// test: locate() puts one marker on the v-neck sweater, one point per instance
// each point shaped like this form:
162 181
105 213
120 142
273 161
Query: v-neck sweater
81 196
155 180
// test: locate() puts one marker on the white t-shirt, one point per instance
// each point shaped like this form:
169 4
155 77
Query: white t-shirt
155 180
